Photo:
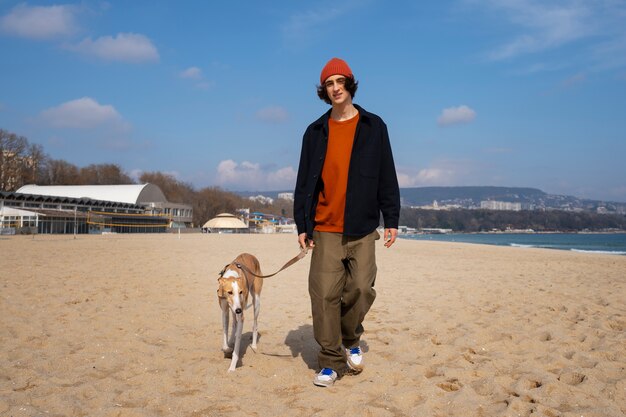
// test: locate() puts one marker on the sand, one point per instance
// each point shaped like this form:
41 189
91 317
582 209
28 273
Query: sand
129 325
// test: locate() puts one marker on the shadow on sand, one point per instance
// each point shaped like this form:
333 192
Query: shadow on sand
246 341
302 343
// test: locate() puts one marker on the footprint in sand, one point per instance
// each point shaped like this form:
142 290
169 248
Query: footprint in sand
450 385
616 324
545 336
432 372
528 384
435 341
572 378
585 361
483 387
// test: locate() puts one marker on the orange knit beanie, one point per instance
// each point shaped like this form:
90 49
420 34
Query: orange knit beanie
333 67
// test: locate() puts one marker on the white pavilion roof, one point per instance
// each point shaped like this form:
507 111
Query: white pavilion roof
123 193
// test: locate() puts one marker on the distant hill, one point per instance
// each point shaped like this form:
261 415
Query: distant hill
471 196
465 196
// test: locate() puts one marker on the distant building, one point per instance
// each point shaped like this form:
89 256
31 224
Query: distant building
438 206
258 222
285 196
225 223
261 199
125 208
500 205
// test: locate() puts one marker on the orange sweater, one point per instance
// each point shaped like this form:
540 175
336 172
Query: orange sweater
332 200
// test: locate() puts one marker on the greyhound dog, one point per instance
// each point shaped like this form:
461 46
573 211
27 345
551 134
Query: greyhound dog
234 285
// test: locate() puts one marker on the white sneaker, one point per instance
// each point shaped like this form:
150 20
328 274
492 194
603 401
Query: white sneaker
355 359
325 378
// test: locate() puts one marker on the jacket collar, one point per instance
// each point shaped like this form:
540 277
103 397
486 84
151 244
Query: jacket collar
364 116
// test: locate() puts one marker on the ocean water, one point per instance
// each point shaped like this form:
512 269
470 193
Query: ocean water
609 243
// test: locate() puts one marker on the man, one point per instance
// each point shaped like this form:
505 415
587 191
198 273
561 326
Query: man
346 179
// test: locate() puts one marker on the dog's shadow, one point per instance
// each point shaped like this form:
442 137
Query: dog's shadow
246 341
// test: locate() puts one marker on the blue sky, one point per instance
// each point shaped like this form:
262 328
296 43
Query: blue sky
512 92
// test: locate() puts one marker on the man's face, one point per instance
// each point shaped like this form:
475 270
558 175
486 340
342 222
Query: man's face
336 88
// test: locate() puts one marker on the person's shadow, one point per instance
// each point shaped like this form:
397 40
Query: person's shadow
302 343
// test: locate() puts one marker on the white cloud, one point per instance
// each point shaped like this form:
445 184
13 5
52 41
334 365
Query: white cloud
252 176
82 113
456 115
303 22
444 172
426 177
126 47
596 28
310 25
272 114
193 73
545 25
39 22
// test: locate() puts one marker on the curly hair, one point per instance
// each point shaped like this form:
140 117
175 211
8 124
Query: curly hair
351 86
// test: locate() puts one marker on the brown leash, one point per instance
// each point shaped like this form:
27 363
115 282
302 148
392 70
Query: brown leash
302 254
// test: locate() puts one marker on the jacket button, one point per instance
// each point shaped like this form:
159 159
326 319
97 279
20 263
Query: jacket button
309 195
321 158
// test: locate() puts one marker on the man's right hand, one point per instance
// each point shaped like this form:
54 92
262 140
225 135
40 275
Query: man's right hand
303 240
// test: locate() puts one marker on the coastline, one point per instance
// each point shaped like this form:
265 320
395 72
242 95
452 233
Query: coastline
129 325
607 243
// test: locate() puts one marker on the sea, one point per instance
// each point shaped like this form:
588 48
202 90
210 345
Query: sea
607 243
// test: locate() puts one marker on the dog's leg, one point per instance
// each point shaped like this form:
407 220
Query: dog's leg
239 328
225 316
231 339
256 299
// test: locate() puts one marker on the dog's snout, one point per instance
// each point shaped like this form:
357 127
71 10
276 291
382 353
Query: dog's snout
238 311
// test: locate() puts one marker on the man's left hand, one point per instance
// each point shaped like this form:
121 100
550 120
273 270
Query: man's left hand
390 237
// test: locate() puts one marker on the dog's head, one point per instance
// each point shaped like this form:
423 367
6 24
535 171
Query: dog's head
232 288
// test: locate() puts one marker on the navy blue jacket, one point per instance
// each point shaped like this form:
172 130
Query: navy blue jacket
372 182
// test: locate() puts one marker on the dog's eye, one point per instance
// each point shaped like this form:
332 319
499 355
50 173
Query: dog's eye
240 292
230 292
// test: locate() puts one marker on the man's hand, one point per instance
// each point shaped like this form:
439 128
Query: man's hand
302 240
390 237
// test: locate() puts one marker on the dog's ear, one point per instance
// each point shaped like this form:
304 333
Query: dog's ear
220 287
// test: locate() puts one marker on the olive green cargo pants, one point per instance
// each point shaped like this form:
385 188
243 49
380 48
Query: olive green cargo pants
341 286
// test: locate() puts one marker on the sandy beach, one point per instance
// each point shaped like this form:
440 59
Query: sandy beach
129 325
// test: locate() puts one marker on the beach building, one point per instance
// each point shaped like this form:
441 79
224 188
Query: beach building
267 223
125 208
225 223
500 205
